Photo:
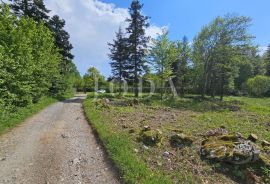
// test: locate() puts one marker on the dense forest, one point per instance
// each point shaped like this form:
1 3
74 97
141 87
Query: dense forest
35 55
221 60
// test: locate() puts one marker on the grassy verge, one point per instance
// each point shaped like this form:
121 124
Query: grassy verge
9 121
121 149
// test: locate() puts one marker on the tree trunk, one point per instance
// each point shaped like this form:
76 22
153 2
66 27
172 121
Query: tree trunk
25 4
120 81
205 85
222 88
136 82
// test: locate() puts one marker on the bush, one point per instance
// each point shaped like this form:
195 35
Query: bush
258 86
28 60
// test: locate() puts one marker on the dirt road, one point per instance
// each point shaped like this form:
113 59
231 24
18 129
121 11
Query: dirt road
53 147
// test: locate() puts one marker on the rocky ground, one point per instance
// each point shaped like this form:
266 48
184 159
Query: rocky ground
55 146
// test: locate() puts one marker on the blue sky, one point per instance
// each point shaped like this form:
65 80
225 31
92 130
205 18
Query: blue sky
92 23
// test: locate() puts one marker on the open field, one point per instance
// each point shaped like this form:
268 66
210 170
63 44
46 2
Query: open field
119 126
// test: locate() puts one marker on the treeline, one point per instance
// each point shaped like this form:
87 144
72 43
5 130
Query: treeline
221 60
35 55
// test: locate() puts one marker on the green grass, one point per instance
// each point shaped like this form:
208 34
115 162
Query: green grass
256 105
120 149
195 116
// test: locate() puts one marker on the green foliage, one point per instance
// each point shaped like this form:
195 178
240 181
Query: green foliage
267 61
93 80
218 50
259 85
30 8
29 60
67 69
119 57
161 57
181 69
137 42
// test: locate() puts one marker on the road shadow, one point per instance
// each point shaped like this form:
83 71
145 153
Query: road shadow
77 99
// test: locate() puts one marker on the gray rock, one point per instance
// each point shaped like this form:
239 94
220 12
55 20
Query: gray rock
231 149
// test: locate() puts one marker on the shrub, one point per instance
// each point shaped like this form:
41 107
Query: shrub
28 60
259 85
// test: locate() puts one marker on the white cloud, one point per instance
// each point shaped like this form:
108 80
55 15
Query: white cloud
92 24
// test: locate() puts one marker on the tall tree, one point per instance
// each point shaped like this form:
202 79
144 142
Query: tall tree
268 61
34 9
180 65
137 42
119 56
57 27
162 54
66 67
220 46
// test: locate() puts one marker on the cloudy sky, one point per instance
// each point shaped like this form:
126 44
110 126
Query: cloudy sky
93 23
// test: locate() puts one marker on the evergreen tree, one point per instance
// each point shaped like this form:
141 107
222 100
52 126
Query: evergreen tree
34 9
56 25
119 57
137 42
67 68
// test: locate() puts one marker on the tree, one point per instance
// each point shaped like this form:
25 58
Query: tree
28 62
218 49
250 65
162 54
93 78
56 25
259 85
119 57
68 71
180 66
268 61
137 42
34 9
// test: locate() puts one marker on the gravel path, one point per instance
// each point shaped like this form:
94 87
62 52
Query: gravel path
55 146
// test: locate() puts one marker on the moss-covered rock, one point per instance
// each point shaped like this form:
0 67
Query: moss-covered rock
265 143
253 137
151 137
230 148
265 158
216 132
265 155
181 140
